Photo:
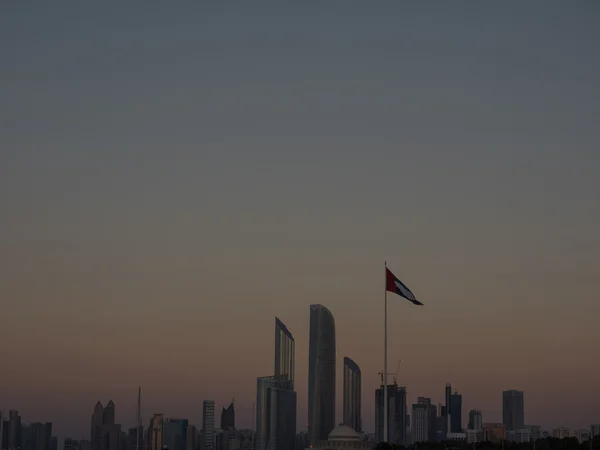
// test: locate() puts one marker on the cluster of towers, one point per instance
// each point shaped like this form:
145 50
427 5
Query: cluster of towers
276 398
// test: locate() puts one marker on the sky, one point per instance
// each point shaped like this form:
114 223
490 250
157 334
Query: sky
174 177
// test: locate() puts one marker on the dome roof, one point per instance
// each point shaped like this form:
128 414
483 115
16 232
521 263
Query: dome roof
343 433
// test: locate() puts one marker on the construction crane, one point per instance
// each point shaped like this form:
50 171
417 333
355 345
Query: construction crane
394 375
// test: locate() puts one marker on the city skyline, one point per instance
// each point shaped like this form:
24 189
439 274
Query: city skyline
171 179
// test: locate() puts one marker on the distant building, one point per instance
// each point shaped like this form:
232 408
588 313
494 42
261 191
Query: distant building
457 437
561 433
155 432
513 411
108 414
582 435
227 418
494 432
456 413
343 438
420 422
397 422
192 438
321 374
175 434
535 432
276 398
519 436
352 395
475 420
474 436
208 425
595 429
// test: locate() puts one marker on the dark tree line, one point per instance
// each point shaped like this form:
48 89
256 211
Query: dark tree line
541 444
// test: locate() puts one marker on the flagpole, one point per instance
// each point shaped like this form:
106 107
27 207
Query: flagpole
385 352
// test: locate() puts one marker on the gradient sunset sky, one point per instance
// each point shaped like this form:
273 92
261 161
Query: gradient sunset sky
172 177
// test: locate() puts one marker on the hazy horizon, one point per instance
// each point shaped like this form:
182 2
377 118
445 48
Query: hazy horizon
171 179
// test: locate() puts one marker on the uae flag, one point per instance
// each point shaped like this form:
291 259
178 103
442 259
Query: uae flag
393 284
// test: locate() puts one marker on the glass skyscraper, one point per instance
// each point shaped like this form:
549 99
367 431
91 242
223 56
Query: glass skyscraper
321 374
276 398
352 395
284 355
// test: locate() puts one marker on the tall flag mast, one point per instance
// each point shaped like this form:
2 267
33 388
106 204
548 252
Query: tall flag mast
392 284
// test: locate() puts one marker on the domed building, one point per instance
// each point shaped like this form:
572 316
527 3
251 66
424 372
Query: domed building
343 437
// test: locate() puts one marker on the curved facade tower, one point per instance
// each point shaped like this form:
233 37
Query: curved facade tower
352 395
321 374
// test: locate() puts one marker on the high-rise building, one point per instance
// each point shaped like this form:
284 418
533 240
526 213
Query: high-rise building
175 434
282 419
108 415
447 424
227 418
208 425
420 422
14 430
97 421
475 420
4 435
276 398
321 374
263 384
284 355
352 395
192 438
397 422
456 413
155 432
39 436
513 413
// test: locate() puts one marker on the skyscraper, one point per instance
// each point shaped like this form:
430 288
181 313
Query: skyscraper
97 421
208 424
352 395
108 415
284 355
263 384
321 374
175 434
420 422
14 430
227 418
513 411
455 413
397 413
447 424
475 420
276 398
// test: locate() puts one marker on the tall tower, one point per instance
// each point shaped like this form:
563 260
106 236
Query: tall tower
208 424
352 395
513 411
397 415
284 355
276 398
108 416
227 418
447 424
156 432
97 421
455 413
321 374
